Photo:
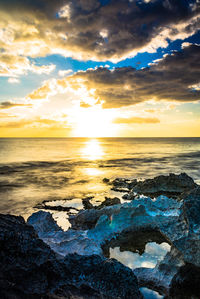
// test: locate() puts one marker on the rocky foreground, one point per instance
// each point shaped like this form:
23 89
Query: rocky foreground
40 260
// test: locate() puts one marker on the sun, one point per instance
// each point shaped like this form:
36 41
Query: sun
94 122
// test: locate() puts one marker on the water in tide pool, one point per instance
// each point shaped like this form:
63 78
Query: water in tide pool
33 170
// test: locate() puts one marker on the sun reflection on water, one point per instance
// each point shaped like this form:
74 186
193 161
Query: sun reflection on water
92 150
93 171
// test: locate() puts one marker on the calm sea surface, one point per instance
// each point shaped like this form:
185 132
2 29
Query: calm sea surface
33 170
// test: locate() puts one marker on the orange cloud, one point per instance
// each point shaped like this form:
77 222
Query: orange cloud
136 120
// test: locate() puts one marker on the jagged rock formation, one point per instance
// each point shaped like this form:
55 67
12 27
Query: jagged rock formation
175 222
107 202
166 185
30 269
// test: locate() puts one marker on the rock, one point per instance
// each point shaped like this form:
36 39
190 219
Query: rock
160 277
107 275
186 283
59 208
43 222
121 224
189 243
123 190
124 183
177 222
125 196
87 204
30 269
87 219
171 185
106 181
109 202
191 209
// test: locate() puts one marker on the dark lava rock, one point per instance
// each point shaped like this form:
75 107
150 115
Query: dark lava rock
123 190
186 283
125 196
108 275
87 219
165 185
191 208
45 206
106 181
124 183
29 269
87 204
109 202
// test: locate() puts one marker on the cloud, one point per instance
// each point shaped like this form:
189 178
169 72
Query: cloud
48 88
136 120
85 105
195 87
13 80
89 30
34 123
63 73
151 110
173 78
43 69
5 115
12 65
9 104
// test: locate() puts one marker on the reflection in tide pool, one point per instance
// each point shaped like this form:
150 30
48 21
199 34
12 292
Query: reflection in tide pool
149 294
92 150
153 253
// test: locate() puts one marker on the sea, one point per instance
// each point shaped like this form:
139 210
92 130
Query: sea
57 170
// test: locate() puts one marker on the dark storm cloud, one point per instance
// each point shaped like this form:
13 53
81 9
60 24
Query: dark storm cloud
174 78
88 29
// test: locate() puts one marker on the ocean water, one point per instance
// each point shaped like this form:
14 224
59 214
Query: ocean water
36 169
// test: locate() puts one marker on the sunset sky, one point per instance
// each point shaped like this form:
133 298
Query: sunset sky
99 68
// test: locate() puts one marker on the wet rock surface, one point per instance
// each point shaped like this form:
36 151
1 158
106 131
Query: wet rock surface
30 269
171 185
107 202
186 283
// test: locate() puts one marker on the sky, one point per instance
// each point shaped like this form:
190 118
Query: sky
99 68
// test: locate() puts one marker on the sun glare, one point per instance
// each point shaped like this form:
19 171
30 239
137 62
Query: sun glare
94 122
92 150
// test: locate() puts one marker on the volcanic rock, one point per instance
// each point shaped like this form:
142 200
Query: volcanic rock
165 185
186 283
30 269
109 202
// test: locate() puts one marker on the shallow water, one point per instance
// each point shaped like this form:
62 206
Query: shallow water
149 294
33 170
153 253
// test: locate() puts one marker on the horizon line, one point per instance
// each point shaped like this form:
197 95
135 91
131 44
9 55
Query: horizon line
57 137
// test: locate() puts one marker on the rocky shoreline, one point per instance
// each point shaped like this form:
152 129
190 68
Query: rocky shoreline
40 260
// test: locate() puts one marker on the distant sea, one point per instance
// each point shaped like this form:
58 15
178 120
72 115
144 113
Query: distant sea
36 169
